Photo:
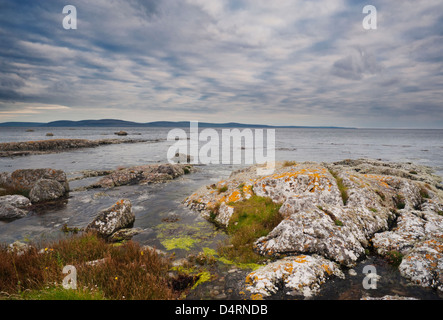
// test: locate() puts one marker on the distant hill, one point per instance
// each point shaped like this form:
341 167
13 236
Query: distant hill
159 124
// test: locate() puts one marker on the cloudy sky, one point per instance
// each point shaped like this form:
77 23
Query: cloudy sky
281 62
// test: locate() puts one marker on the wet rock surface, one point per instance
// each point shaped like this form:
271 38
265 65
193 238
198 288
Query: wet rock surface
337 212
146 174
14 207
113 219
30 185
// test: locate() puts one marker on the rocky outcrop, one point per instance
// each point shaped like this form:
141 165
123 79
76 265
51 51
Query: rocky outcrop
14 207
337 210
418 241
40 184
145 174
11 149
300 275
113 219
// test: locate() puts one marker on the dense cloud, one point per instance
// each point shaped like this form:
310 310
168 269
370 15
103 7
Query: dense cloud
274 62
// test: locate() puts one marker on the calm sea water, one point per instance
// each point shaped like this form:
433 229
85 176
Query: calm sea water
418 146
154 203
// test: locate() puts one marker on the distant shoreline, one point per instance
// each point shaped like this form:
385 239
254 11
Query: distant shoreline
155 124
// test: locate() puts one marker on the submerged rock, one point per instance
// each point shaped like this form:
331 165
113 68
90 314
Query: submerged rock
335 210
14 207
110 220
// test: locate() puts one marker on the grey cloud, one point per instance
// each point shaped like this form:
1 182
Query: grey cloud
223 59
356 65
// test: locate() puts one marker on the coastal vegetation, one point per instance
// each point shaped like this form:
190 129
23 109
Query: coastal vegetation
253 218
104 271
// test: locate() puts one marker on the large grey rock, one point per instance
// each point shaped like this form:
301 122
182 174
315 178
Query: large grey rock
110 220
337 210
14 207
46 190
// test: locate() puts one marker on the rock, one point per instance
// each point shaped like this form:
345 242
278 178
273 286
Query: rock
182 158
25 179
46 190
335 210
41 184
124 234
423 265
19 247
110 220
14 207
121 133
300 274
145 174
49 134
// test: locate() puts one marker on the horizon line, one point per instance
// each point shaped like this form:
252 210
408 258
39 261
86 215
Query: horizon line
220 124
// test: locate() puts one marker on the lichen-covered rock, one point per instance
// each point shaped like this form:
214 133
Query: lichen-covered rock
110 220
46 190
311 231
301 275
423 264
14 207
145 174
337 210
42 184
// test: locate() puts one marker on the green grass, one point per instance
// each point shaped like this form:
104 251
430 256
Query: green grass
222 189
394 257
60 293
400 201
252 219
424 193
341 186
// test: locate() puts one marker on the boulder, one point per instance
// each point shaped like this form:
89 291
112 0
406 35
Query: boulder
121 133
14 207
42 184
46 190
25 179
112 219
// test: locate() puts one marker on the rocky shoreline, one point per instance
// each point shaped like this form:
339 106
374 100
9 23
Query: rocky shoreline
333 214
333 217
14 149
23 188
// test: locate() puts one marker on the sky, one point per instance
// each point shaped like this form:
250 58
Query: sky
280 62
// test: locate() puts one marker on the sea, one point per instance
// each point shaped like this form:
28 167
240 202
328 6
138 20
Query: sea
156 205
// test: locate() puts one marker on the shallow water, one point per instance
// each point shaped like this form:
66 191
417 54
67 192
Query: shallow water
154 204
